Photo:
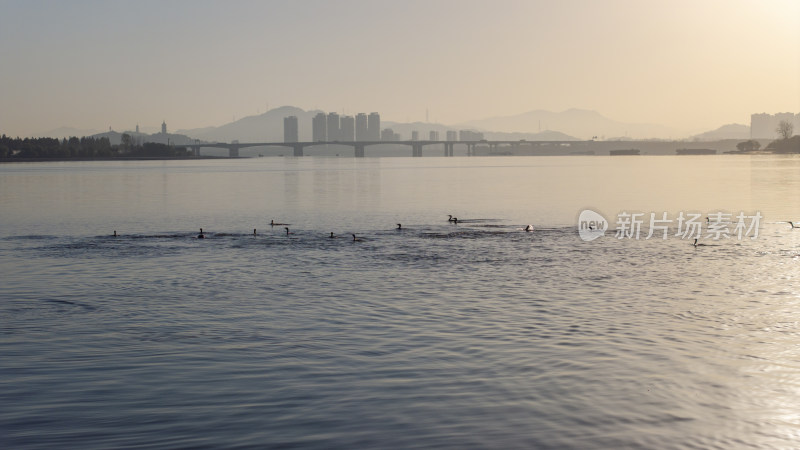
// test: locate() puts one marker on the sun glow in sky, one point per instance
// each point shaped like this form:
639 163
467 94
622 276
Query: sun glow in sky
692 65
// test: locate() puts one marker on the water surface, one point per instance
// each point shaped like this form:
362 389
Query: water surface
475 335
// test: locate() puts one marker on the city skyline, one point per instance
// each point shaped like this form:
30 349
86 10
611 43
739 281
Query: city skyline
689 66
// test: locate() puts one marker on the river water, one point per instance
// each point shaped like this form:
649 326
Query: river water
469 335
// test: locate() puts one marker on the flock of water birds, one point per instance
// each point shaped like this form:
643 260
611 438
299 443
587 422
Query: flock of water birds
450 218
272 223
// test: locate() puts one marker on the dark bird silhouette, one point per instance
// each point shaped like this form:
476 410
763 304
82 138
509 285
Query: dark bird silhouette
793 225
355 239
201 235
399 227
287 231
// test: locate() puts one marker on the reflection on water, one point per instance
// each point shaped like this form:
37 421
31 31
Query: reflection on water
539 190
466 336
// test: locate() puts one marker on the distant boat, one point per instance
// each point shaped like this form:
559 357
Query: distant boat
695 151
632 151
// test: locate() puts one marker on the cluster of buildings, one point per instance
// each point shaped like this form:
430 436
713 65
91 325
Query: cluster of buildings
764 126
331 127
363 127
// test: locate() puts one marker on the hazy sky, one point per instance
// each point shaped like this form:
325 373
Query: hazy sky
688 64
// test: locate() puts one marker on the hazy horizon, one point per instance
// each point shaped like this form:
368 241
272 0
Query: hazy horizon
688 66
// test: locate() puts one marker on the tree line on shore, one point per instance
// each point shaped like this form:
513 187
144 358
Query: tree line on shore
84 147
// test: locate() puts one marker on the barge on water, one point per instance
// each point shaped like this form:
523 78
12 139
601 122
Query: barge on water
695 151
631 151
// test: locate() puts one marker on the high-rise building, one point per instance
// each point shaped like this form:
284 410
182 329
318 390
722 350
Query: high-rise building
164 127
374 127
319 128
388 135
452 135
347 126
290 131
414 135
764 126
434 135
333 127
361 127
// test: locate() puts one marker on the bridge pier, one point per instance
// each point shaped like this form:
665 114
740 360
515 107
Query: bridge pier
448 148
298 150
233 151
470 149
416 150
359 148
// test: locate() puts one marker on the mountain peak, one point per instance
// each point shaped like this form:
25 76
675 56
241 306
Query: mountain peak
728 131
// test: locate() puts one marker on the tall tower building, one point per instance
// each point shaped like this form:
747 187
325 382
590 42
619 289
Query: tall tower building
361 127
333 127
164 127
374 127
290 129
347 126
319 128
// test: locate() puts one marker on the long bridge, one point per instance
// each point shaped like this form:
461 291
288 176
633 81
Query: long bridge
360 146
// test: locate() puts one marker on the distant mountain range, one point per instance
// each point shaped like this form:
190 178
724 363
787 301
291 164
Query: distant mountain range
730 131
268 127
572 124
581 123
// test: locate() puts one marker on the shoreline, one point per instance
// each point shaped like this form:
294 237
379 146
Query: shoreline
116 158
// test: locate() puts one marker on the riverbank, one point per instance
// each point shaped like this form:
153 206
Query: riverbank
114 158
